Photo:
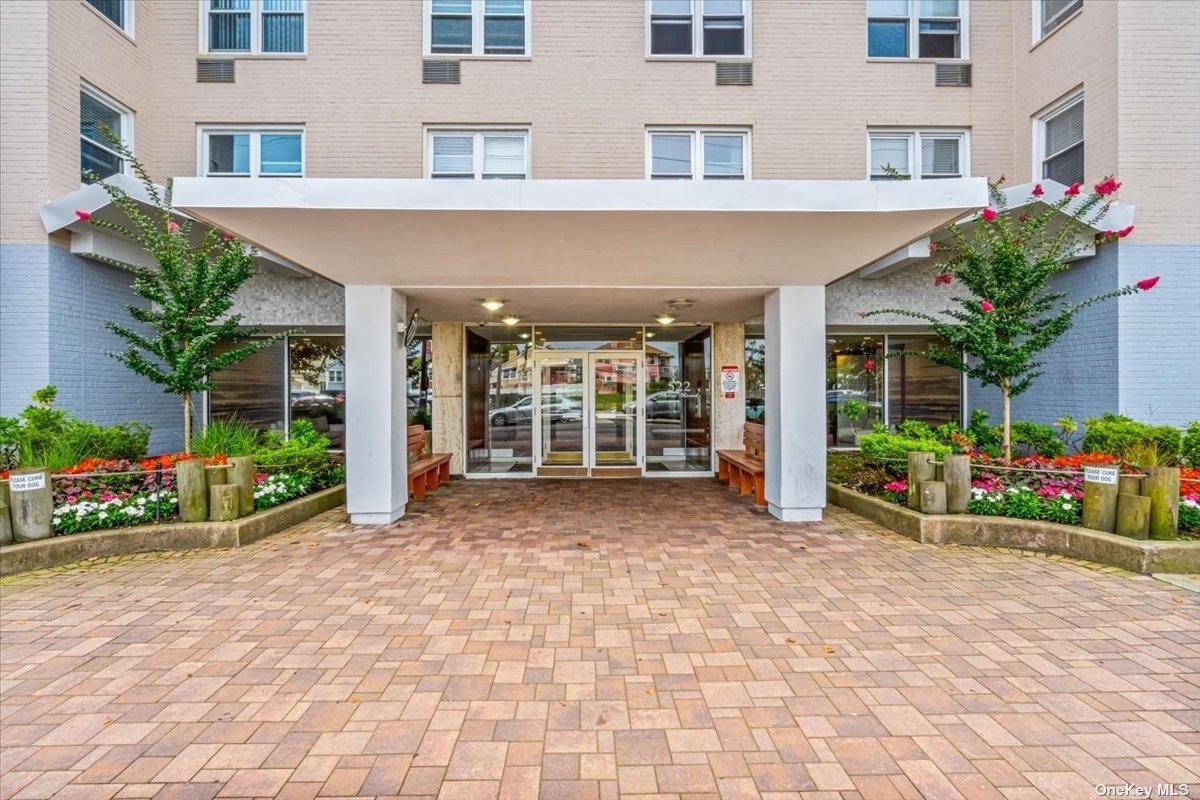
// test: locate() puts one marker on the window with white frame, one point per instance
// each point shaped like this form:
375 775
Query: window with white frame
1049 14
698 27
1060 141
484 154
704 154
100 117
917 154
118 12
477 27
268 152
254 26
916 28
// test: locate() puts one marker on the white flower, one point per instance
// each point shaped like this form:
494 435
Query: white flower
102 515
1066 506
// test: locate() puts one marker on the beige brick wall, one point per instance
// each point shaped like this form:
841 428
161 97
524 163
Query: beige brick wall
23 119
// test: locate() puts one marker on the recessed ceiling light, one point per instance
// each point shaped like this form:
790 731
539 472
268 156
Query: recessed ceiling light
649 334
523 335
511 319
665 319
492 304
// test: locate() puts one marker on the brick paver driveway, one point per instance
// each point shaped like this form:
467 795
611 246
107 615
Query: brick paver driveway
595 640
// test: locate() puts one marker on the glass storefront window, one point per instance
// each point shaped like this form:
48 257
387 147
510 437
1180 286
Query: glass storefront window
499 400
853 387
253 389
917 388
756 374
317 384
678 399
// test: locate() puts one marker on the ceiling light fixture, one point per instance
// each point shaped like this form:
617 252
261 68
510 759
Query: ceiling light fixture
511 319
491 304
523 335
649 334
665 319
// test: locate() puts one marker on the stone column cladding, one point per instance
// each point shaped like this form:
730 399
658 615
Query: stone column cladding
448 392
729 413
794 320
376 405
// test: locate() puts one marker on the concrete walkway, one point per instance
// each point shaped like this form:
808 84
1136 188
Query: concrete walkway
654 638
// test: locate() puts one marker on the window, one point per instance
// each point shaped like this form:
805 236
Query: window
1060 142
477 27
1049 14
501 154
919 155
118 12
254 26
252 153
99 116
698 27
716 154
920 28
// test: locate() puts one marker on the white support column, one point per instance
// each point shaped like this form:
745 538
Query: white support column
376 405
795 404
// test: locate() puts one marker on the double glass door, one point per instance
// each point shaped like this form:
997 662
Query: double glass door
588 413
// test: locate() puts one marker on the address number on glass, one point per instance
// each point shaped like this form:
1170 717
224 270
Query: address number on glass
683 389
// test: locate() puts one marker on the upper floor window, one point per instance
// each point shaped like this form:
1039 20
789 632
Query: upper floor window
916 28
484 154
98 115
922 154
254 26
274 152
1049 14
118 12
698 27
1060 141
707 154
477 27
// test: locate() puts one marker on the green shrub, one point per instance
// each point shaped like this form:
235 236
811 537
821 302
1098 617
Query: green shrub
915 429
1033 438
982 435
227 437
885 447
45 436
1191 444
305 452
1114 433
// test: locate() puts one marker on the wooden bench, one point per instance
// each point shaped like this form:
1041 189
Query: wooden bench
745 469
426 471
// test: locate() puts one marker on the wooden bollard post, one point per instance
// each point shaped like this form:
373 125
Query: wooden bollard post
1162 487
193 490
223 502
1100 489
216 475
6 532
241 473
957 473
920 468
1133 516
933 497
1129 484
32 504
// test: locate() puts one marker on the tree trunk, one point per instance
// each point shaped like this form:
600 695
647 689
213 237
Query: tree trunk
1007 421
187 422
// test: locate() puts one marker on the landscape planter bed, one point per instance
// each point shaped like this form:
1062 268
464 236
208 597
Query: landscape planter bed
174 535
1144 556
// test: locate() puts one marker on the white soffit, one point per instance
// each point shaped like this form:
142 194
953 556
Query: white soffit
578 233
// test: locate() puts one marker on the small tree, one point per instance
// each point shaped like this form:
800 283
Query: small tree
189 292
1008 316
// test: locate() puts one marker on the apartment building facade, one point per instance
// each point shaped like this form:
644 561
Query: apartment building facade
575 196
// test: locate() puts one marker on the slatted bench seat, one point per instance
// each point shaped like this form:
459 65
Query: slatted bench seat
426 471
745 469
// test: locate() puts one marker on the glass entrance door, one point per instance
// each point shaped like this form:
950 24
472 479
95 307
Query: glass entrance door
616 412
560 410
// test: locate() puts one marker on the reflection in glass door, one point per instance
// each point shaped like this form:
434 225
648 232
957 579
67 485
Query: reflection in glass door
560 399
615 410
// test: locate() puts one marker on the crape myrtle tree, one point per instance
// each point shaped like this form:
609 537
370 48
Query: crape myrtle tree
185 334
1006 315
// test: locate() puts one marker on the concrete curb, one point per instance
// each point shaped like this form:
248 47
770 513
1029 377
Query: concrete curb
1135 555
68 549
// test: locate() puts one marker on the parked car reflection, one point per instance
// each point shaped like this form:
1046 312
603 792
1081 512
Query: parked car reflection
558 409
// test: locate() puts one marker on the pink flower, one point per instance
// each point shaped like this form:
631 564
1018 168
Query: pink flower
933 247
228 236
870 365
84 216
71 498
896 486
1146 284
1125 231
1038 191
172 226
1073 189
989 214
945 278
1107 186
987 307
1109 233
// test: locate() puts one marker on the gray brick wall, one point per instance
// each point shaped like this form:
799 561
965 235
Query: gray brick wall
911 288
24 324
274 299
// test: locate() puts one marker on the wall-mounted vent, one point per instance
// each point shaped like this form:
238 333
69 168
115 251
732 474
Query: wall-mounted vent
210 70
735 73
952 74
440 71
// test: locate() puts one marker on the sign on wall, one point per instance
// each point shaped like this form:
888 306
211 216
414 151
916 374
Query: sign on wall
730 380
1107 475
27 482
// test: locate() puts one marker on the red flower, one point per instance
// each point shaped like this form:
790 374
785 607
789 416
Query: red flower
172 226
987 307
1125 231
1038 191
945 277
1073 189
870 365
1024 216
989 214
83 215
228 236
1109 233
933 247
1146 284
1107 186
